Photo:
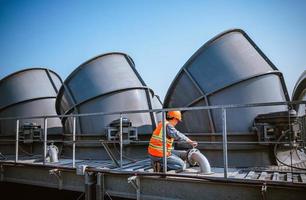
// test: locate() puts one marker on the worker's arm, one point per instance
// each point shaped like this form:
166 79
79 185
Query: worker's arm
173 133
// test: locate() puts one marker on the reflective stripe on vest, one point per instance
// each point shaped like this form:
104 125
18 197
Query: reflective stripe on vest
156 142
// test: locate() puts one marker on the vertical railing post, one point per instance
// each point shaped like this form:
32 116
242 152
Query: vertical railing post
17 140
73 140
121 145
45 139
224 134
290 111
164 143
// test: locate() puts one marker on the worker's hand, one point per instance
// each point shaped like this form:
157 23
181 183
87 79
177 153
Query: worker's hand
193 143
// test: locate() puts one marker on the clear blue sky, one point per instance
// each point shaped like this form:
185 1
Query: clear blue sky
160 36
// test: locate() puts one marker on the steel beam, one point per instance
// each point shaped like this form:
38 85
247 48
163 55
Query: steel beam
38 176
90 183
100 190
180 188
116 185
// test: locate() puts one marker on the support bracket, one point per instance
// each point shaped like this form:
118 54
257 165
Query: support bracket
264 191
100 186
57 173
109 152
135 182
90 183
80 170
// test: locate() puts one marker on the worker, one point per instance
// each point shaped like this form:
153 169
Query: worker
174 158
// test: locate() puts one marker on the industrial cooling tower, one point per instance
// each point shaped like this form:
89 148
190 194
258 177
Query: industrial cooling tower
299 94
26 93
106 83
228 69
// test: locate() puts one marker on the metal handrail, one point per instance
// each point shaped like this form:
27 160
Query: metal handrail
230 106
145 142
163 111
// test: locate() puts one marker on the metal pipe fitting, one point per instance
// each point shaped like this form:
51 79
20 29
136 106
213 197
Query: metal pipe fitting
53 153
196 157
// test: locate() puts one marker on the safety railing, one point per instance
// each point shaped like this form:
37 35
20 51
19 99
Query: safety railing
222 108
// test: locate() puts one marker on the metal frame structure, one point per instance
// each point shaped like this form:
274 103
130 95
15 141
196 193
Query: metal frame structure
138 183
223 109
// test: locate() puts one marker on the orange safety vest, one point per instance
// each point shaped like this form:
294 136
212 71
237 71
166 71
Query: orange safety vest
156 142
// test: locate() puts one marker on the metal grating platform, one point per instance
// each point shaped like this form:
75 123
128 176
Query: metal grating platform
271 173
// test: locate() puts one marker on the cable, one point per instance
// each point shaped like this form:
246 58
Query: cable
275 154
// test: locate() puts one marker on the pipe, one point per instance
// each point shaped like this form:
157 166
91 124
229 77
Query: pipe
196 157
53 153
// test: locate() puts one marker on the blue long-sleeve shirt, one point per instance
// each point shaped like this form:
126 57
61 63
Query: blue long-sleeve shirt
173 133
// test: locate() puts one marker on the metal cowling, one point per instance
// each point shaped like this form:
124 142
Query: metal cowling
26 93
228 69
106 83
30 92
299 94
